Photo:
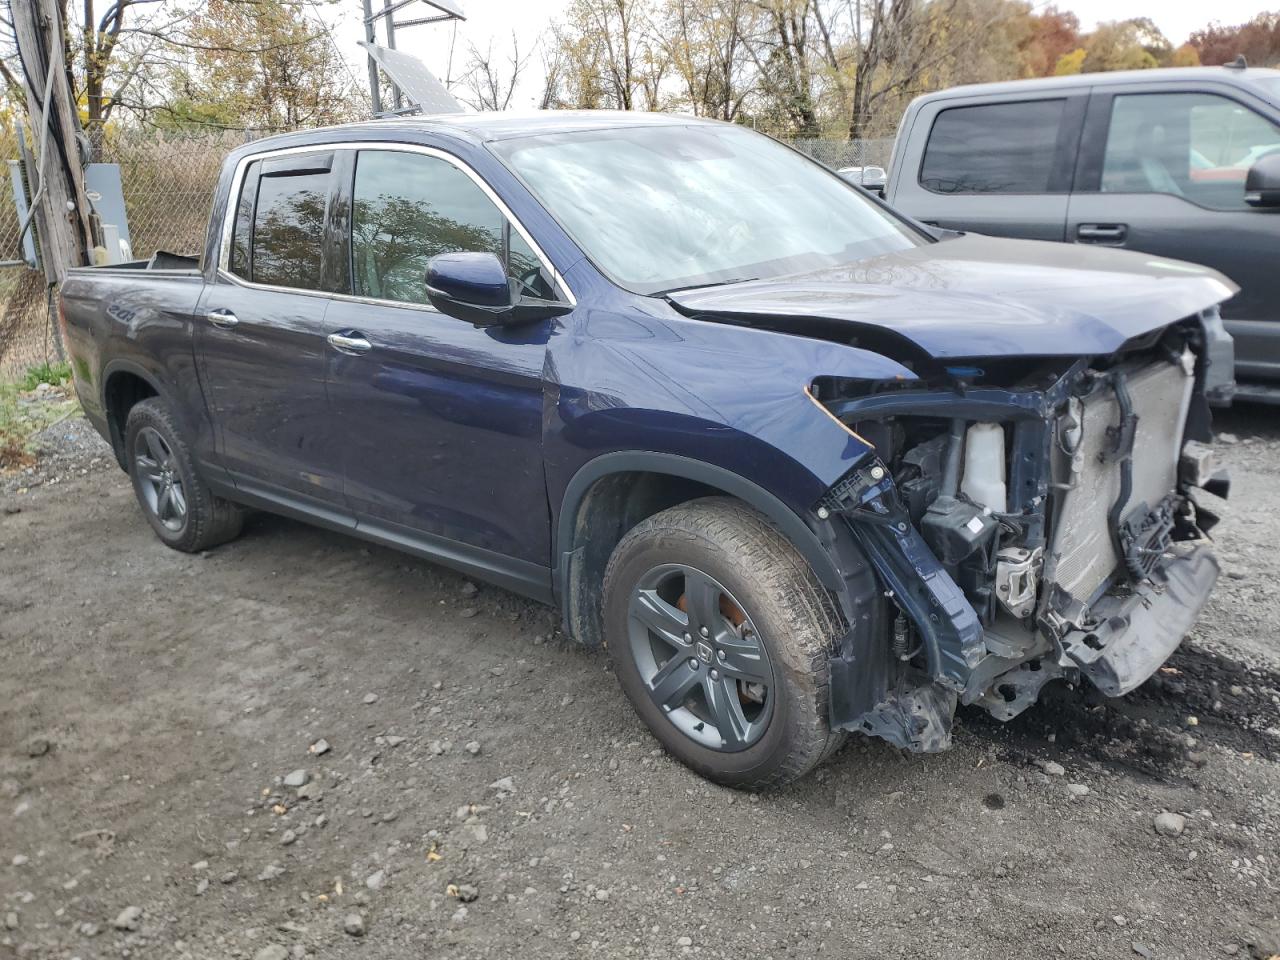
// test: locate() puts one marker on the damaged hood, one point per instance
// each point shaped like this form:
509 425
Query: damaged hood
978 296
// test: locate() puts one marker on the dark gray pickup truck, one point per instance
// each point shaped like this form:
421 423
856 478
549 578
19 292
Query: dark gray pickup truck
1176 163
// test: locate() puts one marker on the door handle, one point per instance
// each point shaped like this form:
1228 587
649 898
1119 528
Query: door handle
350 342
222 318
1106 233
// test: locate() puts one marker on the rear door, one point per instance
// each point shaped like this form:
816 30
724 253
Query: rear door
440 421
1000 165
1163 173
261 336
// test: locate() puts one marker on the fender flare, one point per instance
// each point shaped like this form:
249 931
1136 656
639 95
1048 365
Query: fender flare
789 522
124 365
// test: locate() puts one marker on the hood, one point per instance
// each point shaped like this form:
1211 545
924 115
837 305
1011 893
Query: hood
978 296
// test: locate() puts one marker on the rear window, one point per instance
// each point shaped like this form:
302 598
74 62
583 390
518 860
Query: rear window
287 227
993 148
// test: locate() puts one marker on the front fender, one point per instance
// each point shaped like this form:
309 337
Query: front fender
733 397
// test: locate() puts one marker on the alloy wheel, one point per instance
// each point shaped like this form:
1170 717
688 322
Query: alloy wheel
159 479
700 657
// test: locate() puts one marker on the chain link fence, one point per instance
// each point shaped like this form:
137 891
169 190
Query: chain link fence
847 153
168 187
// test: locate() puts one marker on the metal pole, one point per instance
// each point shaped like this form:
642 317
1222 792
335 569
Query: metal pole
391 44
370 35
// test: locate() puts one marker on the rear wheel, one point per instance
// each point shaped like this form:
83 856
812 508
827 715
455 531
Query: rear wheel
177 503
719 632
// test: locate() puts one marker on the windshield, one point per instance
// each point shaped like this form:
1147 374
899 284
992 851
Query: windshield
665 208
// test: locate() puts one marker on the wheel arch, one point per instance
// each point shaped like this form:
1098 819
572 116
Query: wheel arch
124 384
612 493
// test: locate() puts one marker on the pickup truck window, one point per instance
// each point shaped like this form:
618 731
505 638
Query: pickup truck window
288 222
406 209
1198 146
670 207
993 148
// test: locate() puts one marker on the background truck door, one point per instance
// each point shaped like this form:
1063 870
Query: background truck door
1163 172
261 332
997 166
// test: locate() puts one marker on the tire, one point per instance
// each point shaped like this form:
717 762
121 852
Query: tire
159 460
656 569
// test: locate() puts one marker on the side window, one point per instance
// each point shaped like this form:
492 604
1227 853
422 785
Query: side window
407 208
242 226
1193 145
288 228
993 148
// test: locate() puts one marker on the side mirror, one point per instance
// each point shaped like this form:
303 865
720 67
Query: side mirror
474 287
1262 183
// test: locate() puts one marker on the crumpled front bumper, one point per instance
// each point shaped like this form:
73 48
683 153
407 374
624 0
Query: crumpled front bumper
1137 633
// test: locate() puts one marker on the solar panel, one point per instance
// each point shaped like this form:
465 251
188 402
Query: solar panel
418 84
448 6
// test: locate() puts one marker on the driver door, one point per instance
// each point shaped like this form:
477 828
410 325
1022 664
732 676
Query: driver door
1164 174
440 421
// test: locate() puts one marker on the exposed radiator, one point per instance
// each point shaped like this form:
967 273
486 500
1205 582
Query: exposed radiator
1082 544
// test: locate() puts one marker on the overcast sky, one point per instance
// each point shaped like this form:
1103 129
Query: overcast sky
494 20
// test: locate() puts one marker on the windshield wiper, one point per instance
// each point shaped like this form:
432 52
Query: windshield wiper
703 286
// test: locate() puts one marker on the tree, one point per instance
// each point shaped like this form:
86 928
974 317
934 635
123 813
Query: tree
1122 45
1185 56
1258 40
1050 35
290 77
489 85
1071 63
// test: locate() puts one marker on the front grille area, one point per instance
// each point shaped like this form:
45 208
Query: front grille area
1084 554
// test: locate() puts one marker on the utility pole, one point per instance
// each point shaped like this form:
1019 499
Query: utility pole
60 207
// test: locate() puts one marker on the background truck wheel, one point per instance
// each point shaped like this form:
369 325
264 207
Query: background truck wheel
719 632
176 502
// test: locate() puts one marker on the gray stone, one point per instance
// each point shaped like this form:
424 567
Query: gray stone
468 893
1170 824
320 747
504 785
469 589
602 894
272 952
1077 789
377 880
20 860
684 941
38 746
287 838
370 698
11 921
353 924
1053 769
473 747
130 918
297 778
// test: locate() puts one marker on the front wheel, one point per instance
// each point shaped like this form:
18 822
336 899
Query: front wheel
177 503
719 633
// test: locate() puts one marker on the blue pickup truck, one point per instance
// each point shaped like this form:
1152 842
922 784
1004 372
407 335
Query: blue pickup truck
802 466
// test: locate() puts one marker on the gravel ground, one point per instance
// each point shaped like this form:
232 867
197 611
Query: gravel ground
298 745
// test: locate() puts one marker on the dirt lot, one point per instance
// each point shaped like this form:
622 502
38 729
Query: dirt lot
487 792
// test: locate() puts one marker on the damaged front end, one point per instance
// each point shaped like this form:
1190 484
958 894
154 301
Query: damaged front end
1023 527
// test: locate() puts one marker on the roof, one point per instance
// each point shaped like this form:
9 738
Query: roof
485 127
1245 77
